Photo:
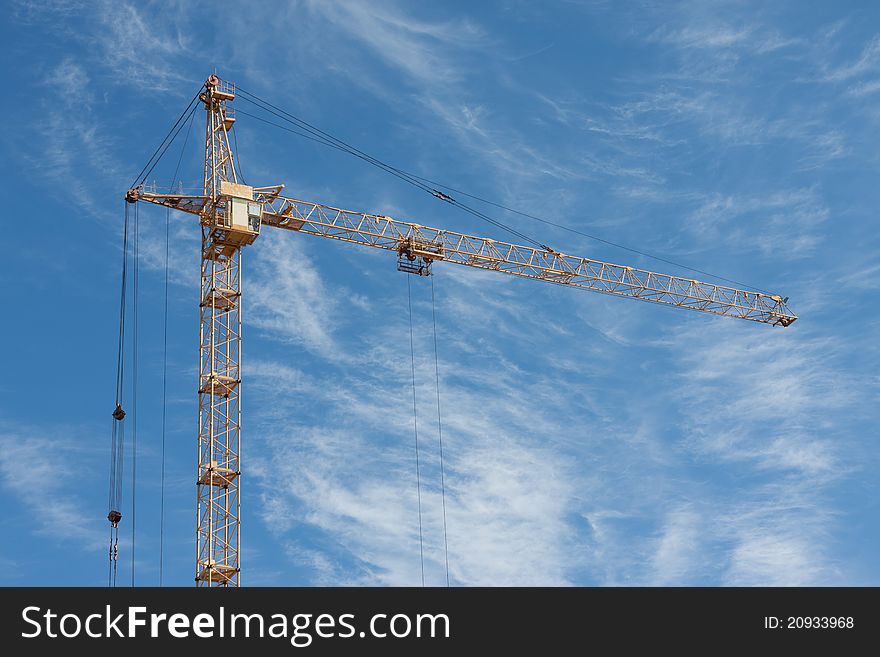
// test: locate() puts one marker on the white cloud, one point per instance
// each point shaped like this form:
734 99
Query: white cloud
418 48
69 83
861 275
135 50
787 221
702 36
37 470
347 462
680 554
756 403
568 458
699 34
865 88
780 539
867 62
287 297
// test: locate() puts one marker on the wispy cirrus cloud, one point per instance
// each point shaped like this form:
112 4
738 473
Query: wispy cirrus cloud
704 35
73 141
136 51
868 61
788 220
514 496
421 49
35 469
680 553
441 63
781 536
347 456
287 296
770 429
505 498
580 447
789 384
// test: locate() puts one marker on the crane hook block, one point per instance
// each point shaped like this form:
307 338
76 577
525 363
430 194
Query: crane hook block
118 413
114 517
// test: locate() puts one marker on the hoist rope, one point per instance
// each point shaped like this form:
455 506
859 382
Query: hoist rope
412 351
313 133
440 430
117 430
120 361
112 561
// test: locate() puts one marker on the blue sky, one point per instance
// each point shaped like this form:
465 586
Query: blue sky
588 440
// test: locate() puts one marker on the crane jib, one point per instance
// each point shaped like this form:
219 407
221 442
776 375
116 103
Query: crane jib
434 244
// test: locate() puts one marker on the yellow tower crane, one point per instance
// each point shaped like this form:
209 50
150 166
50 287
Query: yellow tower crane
231 215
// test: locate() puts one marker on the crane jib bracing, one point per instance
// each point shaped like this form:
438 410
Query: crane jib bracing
231 216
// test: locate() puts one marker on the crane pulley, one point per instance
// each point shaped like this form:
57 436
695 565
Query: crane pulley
231 216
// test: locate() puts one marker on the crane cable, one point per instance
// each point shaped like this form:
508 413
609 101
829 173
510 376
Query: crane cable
237 157
440 431
308 131
163 146
117 431
412 351
329 140
118 436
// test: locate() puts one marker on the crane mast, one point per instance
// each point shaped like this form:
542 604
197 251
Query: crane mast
218 521
231 214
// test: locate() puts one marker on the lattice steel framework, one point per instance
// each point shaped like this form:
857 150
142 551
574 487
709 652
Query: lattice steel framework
231 215
423 244
218 524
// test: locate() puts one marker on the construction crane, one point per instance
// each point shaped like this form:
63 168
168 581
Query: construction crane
232 214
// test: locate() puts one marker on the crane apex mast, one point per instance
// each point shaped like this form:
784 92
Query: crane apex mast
230 219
